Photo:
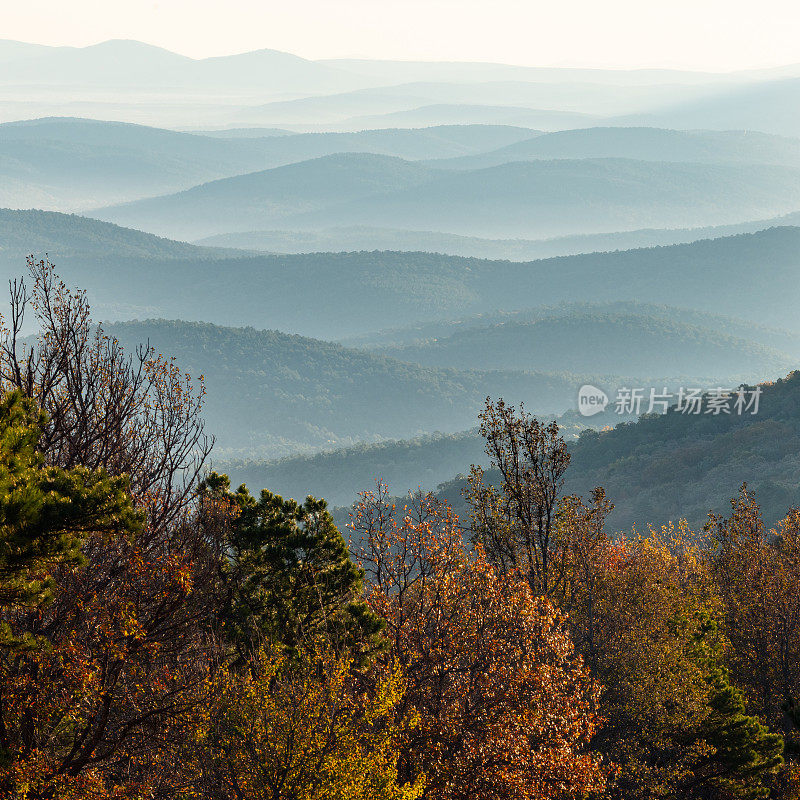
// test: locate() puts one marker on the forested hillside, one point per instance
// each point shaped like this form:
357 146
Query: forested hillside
72 236
430 332
606 343
667 467
311 395
346 294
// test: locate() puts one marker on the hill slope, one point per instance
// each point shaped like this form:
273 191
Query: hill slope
615 343
72 163
270 393
71 236
643 144
270 195
678 465
533 199
430 332
334 295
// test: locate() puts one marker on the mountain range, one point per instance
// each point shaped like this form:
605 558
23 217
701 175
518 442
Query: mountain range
336 295
531 199
137 82
69 164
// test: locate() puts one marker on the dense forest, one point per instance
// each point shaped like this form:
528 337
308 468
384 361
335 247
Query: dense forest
163 635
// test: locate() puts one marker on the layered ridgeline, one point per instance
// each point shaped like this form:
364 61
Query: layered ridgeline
528 199
311 394
352 238
70 236
335 295
602 342
437 332
271 393
657 470
642 144
134 81
75 164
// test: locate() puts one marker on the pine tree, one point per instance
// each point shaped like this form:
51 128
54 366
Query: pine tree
44 512
744 754
289 572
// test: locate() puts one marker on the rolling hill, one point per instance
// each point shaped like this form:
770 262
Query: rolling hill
533 199
249 200
615 343
556 97
71 236
334 295
643 144
73 164
270 393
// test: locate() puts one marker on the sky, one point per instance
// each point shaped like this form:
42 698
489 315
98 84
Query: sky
716 35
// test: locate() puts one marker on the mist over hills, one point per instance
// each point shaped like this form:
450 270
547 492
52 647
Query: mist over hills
658 469
647 216
770 106
269 195
643 144
137 82
130 65
271 393
350 294
533 199
603 342
468 114
72 236
336 269
441 331
338 239
312 395
73 164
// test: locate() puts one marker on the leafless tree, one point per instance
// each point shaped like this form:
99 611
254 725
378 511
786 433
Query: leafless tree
133 414
515 522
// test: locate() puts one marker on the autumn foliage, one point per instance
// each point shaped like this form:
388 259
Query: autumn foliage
505 705
163 636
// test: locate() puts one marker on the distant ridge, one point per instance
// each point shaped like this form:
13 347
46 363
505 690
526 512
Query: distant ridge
529 199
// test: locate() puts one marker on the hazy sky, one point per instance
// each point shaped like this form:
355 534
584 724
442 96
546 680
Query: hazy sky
697 34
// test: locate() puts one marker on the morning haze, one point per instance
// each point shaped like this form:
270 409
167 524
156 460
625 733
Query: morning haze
451 267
